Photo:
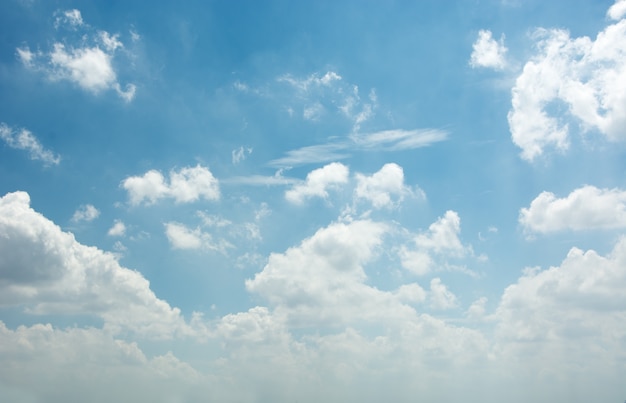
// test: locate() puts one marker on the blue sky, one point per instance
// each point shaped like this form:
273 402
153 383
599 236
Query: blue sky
313 201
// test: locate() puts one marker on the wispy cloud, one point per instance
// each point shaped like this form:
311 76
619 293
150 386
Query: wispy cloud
23 139
387 140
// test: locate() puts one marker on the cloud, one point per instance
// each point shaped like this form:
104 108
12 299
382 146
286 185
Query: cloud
47 271
322 280
383 186
71 19
85 213
181 237
585 208
617 10
440 297
574 310
185 186
487 52
570 81
89 64
24 140
387 140
118 229
240 154
434 248
318 182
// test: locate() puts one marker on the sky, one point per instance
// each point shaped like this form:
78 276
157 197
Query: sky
313 201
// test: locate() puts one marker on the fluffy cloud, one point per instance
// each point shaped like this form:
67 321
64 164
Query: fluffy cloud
118 229
48 272
434 247
440 296
85 213
487 52
385 188
42 363
186 185
568 318
89 65
585 208
318 182
583 79
25 140
617 10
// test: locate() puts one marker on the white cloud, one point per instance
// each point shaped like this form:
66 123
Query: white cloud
85 213
240 154
118 229
487 52
182 237
382 187
318 182
25 140
574 310
583 80
434 248
88 64
477 309
47 271
440 297
104 366
585 208
322 280
185 185
312 81
70 18
617 10
386 140
398 139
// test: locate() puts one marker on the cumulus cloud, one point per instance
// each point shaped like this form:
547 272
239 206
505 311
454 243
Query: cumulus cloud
48 272
185 185
118 229
440 297
23 139
385 188
434 247
585 208
574 310
87 63
617 10
487 52
318 182
85 212
570 81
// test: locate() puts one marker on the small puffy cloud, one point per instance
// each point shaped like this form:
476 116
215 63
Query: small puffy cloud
118 229
70 18
477 308
24 140
436 246
385 188
570 81
617 10
318 182
487 52
88 63
85 213
440 297
182 237
585 208
185 185
47 271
